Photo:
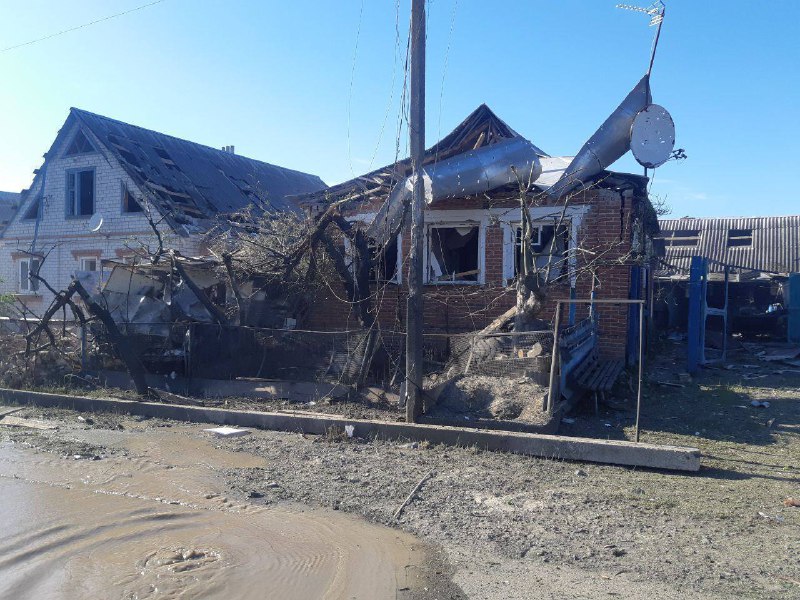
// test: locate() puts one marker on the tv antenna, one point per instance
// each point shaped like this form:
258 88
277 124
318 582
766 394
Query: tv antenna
656 12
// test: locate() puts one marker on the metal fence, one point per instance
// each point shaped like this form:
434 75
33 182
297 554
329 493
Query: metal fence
211 351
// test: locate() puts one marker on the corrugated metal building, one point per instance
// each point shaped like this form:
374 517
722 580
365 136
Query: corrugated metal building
770 245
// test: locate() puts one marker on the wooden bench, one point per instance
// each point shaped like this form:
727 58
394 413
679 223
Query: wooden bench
597 376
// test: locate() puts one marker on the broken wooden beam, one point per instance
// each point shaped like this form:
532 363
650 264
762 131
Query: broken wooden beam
557 447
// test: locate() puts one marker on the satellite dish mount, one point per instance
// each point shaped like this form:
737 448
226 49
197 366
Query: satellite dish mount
95 223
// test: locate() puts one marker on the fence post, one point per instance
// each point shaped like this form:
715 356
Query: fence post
794 308
697 299
553 392
641 365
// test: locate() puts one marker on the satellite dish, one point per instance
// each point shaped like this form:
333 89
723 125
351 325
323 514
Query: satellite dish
95 223
652 136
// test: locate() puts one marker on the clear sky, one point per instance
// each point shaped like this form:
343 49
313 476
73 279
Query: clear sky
316 86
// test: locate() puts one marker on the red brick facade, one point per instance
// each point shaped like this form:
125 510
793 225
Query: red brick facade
606 231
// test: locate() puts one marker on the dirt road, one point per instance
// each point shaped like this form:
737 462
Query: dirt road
507 526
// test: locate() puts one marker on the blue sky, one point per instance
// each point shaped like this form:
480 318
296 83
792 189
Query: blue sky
316 86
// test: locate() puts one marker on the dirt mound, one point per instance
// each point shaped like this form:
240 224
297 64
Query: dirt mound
492 397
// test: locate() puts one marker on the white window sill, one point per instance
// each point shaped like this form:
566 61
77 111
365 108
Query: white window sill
452 283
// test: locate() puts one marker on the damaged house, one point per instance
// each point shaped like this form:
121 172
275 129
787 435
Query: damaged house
9 201
749 262
594 231
106 187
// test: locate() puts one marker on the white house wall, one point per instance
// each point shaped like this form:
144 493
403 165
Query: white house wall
66 240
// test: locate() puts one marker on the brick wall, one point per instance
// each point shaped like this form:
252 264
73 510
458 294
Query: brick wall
605 229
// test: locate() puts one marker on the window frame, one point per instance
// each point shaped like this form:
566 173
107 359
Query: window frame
739 238
510 256
682 238
67 204
127 190
398 274
31 286
79 131
39 206
82 263
444 223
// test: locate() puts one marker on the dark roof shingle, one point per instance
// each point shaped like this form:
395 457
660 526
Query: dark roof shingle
190 182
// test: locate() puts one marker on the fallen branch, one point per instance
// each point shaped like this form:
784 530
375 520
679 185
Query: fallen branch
670 384
411 495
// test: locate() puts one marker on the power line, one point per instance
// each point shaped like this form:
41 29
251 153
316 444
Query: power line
52 35
350 92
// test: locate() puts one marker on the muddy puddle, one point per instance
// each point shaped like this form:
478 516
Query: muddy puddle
156 524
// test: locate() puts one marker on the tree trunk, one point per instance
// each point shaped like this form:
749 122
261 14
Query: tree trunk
120 342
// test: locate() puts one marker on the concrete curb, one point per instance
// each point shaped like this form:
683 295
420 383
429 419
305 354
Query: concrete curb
548 446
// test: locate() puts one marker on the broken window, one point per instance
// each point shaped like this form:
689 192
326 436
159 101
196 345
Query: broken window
80 145
27 266
453 254
34 210
544 248
80 193
383 265
740 237
384 261
682 237
129 203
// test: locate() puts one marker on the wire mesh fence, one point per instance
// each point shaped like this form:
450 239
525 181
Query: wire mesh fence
212 351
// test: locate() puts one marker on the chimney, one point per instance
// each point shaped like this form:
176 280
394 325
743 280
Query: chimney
228 149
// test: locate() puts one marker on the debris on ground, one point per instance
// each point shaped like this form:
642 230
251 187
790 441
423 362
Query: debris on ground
483 396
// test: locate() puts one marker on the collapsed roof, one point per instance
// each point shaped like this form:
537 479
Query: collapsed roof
480 129
482 134
190 183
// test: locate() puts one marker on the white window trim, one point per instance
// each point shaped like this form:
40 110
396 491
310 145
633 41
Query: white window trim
88 258
24 284
507 218
457 218
547 215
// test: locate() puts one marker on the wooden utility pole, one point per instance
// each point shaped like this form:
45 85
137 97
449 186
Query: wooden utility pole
416 130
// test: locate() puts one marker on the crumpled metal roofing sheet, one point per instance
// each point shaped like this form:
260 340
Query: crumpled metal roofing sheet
775 246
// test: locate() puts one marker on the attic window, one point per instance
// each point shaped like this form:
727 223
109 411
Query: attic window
80 145
80 193
34 210
129 203
740 237
682 237
453 254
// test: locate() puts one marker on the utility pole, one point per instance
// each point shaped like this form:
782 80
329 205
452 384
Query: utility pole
416 130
